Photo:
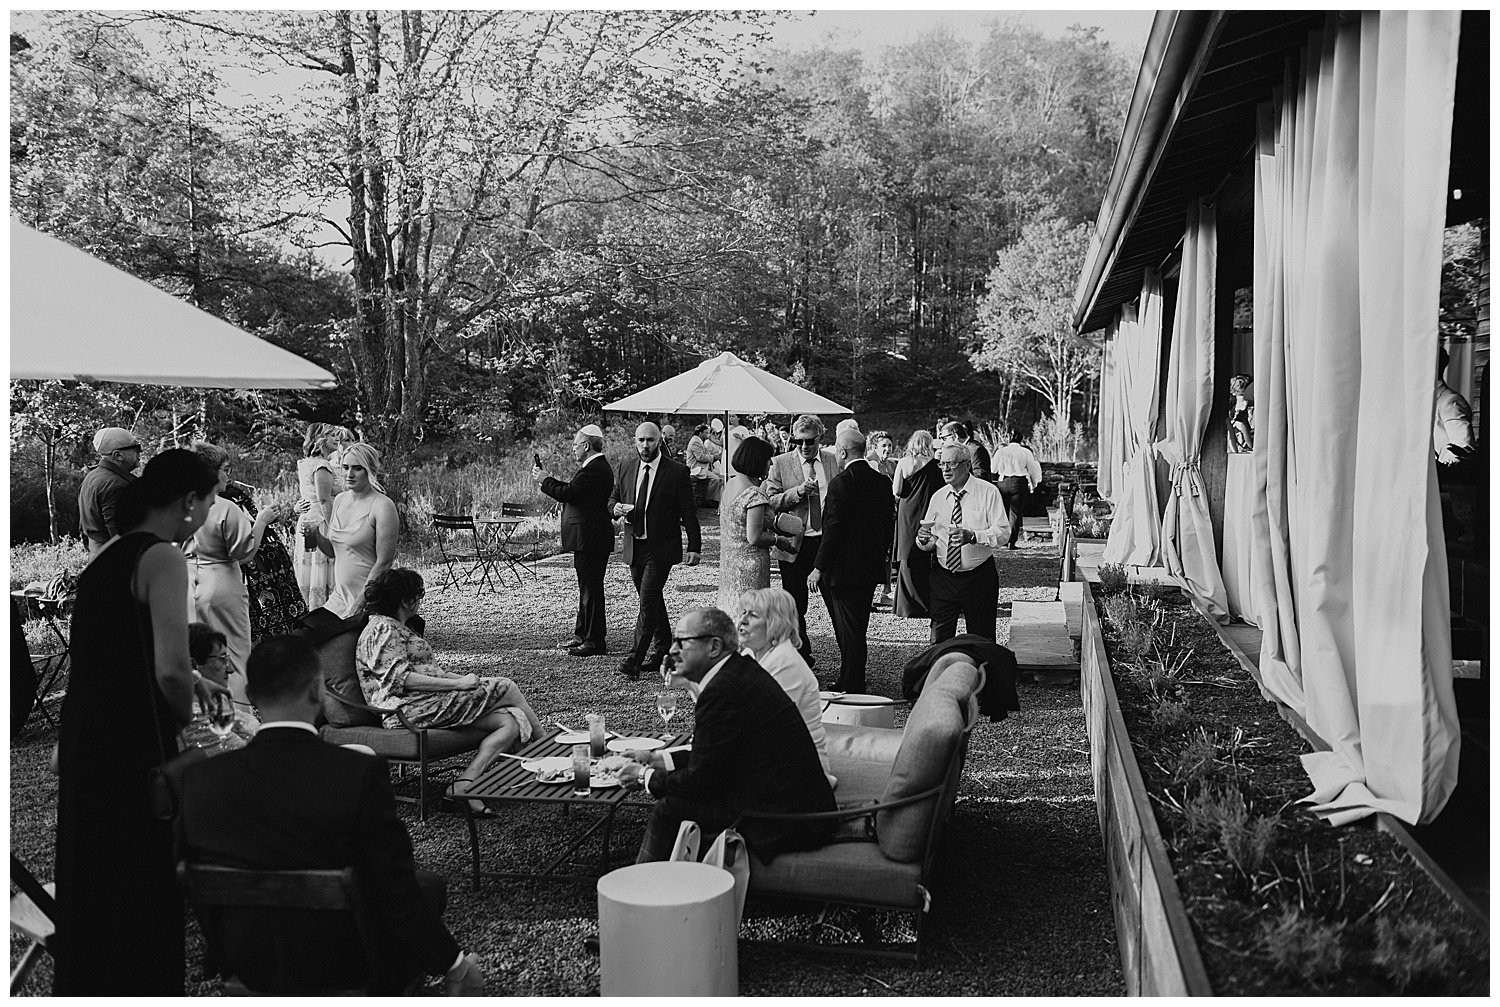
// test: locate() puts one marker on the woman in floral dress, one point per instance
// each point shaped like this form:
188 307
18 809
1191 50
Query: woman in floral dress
749 529
397 672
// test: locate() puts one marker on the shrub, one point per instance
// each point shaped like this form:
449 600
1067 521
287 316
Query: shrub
1195 760
1243 838
1303 946
1113 578
1409 949
30 563
1171 715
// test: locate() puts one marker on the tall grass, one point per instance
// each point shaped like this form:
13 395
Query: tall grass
39 561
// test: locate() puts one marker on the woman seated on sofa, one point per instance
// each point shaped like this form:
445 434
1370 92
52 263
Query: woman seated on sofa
397 672
768 632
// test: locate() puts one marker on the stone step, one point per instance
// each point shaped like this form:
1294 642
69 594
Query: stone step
1039 638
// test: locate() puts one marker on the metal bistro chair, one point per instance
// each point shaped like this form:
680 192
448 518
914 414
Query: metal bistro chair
286 933
479 557
32 915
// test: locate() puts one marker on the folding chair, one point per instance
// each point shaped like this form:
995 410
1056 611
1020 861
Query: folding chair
286 933
479 557
32 912
519 551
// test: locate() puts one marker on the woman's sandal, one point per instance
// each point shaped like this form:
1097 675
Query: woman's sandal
476 808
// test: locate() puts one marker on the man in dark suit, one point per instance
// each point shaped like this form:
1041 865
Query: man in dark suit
854 556
586 533
654 494
289 801
751 751
798 484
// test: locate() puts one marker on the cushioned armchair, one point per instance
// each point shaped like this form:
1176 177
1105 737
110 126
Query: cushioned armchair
348 720
896 791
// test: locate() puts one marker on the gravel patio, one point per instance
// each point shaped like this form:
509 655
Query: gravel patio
1021 905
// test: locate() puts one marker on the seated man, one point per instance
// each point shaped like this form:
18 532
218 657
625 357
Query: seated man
209 651
751 751
288 801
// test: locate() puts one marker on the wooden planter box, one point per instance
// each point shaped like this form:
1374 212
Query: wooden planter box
1158 952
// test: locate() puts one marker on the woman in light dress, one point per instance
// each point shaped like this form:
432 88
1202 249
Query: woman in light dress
361 531
768 632
317 483
397 672
227 539
748 529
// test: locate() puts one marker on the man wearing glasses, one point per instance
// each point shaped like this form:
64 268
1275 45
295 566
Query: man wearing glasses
99 493
751 751
964 525
798 484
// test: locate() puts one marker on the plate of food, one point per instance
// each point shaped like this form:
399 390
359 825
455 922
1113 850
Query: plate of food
550 763
641 744
561 774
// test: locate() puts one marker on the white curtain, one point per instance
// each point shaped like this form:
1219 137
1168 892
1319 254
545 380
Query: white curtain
1135 532
1111 409
1187 531
1350 570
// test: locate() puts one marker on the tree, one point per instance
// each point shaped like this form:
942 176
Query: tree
55 414
1024 322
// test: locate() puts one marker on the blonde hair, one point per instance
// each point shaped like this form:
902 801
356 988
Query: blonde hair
919 444
780 611
361 454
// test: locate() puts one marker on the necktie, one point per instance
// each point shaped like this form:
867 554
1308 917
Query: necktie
642 492
814 504
956 551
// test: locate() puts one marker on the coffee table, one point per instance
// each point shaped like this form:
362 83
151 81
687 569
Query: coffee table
506 783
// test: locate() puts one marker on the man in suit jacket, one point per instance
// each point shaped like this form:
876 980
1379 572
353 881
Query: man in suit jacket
289 801
798 484
586 533
751 751
654 495
855 554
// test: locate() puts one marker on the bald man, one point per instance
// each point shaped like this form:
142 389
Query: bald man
653 502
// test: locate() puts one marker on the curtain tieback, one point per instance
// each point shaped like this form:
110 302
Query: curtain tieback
1181 476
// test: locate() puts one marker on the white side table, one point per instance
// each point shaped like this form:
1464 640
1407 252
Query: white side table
860 710
668 929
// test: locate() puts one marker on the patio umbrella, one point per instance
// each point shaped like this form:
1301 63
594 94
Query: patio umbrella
726 384
77 318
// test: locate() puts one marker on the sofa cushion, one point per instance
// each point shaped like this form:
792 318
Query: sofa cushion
860 781
339 675
852 742
839 872
399 743
927 745
955 673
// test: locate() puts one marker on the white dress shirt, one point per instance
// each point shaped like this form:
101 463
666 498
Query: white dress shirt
1016 460
983 514
640 503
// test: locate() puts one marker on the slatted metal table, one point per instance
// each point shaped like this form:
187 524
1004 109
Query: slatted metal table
506 783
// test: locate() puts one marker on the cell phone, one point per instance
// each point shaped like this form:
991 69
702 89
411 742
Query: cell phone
538 459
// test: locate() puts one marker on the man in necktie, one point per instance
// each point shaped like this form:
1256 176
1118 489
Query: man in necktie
964 525
798 484
653 495
586 533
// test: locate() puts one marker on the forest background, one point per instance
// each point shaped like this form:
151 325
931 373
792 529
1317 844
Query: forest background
488 224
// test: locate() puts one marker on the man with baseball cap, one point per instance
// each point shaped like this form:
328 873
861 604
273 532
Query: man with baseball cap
99 493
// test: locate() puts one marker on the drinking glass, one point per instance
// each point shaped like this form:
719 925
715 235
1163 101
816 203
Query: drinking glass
221 717
666 705
596 734
580 770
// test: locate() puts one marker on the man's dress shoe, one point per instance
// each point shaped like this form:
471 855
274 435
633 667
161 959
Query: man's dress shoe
588 649
591 944
630 669
569 643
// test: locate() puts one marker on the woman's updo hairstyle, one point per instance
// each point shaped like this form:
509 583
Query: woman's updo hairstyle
384 595
167 477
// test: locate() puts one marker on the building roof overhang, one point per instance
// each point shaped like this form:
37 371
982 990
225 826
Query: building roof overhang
1192 122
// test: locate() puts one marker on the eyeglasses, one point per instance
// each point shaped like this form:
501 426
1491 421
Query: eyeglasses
802 440
680 640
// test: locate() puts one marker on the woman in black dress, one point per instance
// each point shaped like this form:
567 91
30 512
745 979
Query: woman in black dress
917 478
276 605
119 911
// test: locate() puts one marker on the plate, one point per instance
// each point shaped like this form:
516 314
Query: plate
623 745
603 781
550 762
572 738
831 695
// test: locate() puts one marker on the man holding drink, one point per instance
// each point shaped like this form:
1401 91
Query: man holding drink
965 523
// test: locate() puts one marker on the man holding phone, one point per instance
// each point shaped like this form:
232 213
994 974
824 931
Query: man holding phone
798 484
965 523
586 533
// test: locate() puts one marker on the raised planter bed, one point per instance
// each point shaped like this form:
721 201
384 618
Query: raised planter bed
1351 908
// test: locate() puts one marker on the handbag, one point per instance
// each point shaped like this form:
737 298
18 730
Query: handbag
727 852
791 526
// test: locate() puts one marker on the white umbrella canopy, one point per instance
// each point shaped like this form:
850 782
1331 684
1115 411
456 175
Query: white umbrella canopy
726 384
77 318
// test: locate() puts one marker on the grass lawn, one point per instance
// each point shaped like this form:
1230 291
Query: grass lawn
1021 902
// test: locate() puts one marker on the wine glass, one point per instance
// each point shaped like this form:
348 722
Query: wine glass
666 705
221 717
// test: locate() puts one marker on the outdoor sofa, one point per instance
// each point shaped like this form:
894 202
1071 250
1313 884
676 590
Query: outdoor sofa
895 791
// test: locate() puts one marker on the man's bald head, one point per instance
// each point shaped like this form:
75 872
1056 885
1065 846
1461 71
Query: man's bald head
849 445
647 441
